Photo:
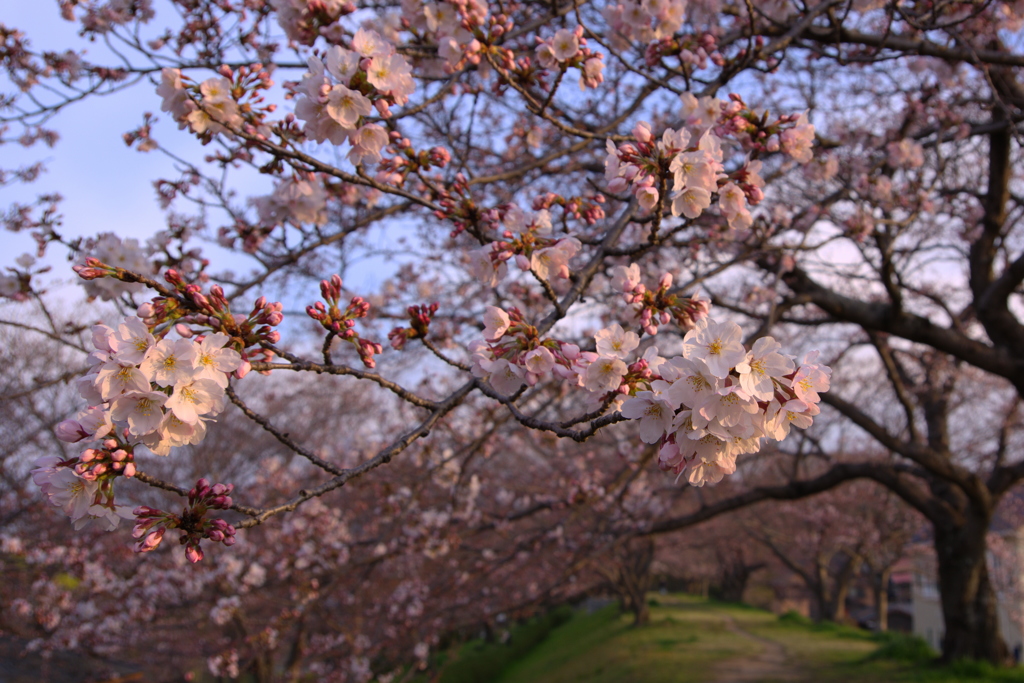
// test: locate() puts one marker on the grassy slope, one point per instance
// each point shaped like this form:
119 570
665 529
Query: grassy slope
690 641
680 645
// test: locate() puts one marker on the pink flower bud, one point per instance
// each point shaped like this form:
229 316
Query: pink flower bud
642 132
146 310
183 331
150 542
570 351
88 273
193 553
129 470
70 431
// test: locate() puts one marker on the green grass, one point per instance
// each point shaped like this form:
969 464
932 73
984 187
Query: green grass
481 662
603 648
690 640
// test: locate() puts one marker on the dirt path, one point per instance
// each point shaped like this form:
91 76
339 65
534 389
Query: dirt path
770 665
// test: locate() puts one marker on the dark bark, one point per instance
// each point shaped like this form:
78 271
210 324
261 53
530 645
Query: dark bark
880 581
834 600
968 600
629 575
736 573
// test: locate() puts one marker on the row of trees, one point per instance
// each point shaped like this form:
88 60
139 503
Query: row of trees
458 546
840 175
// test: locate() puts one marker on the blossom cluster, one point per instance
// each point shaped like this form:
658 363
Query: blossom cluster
160 392
304 20
141 390
717 400
568 48
342 323
151 524
419 324
706 406
118 253
512 353
645 20
452 26
692 157
527 238
660 306
80 492
337 93
299 201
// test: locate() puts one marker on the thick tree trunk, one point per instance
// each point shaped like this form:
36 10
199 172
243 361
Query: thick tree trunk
882 597
968 601
836 605
820 592
633 599
630 578
641 612
735 576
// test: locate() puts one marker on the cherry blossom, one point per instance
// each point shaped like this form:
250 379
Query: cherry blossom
717 344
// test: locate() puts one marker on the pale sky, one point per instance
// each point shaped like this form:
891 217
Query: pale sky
107 187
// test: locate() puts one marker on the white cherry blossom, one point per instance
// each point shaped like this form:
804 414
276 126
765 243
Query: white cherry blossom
762 366
170 362
142 409
347 106
605 374
496 323
717 344
616 342
213 361
655 415
195 397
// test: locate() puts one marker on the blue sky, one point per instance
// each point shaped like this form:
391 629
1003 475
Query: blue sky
106 185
